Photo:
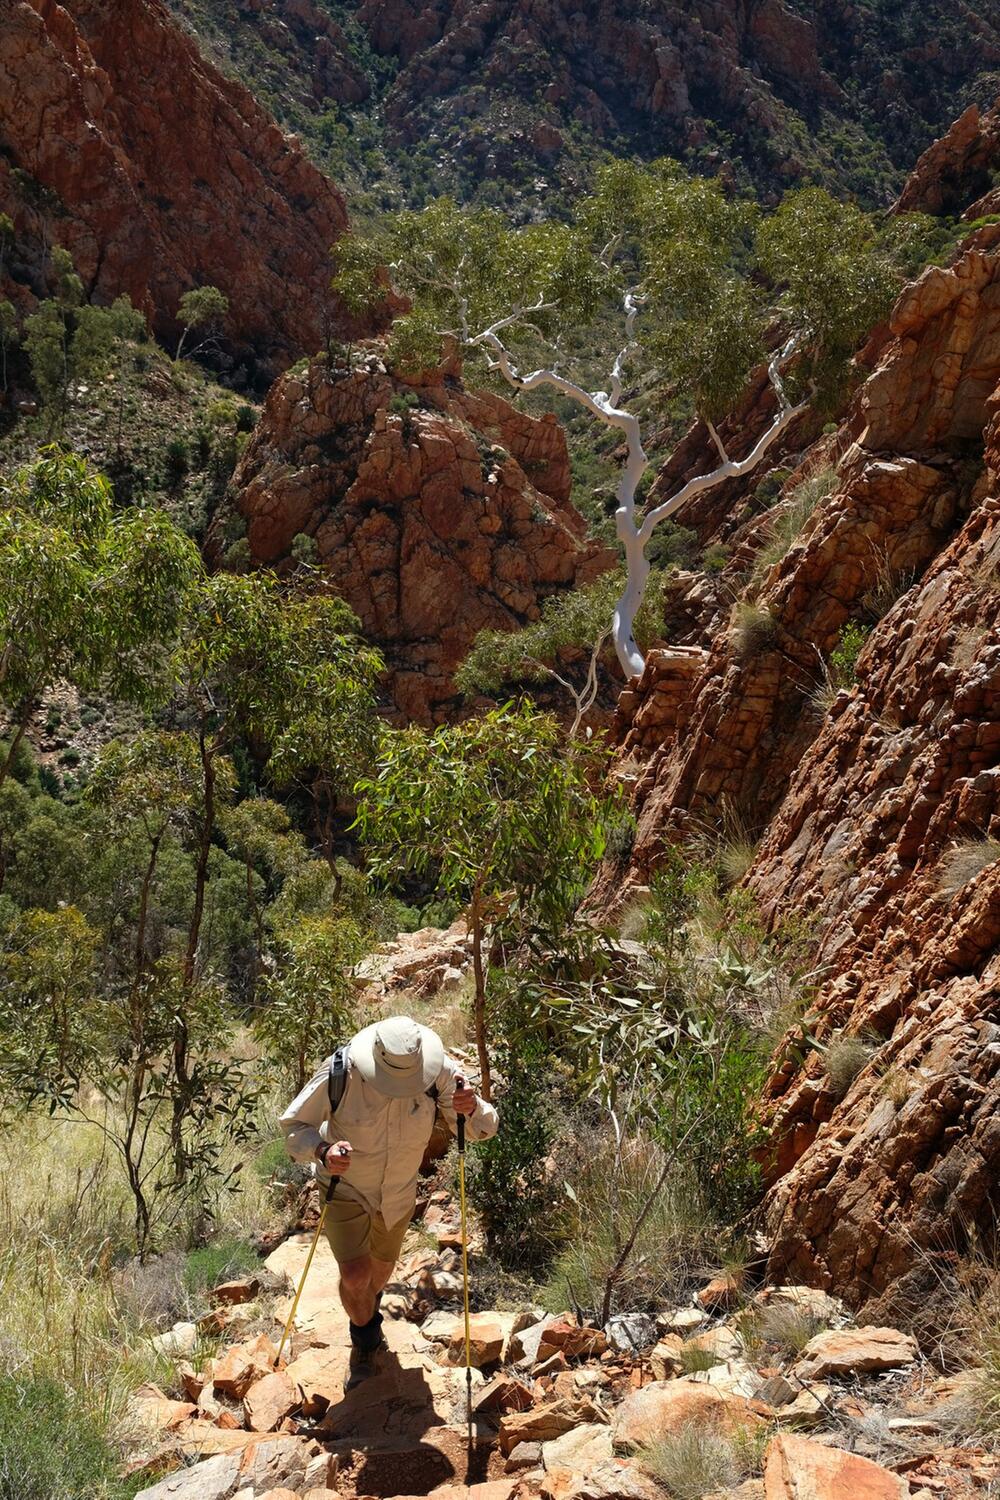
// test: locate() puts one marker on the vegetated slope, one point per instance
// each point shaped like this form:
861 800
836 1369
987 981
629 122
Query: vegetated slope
847 708
512 100
119 142
435 512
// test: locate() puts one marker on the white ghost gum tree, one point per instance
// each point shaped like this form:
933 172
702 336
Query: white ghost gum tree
702 288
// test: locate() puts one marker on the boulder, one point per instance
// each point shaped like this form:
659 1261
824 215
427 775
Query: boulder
580 1449
525 1342
799 1469
665 1406
606 1480
439 1326
524 1456
722 1342
244 1364
854 1351
273 1462
665 1358
212 1479
270 1400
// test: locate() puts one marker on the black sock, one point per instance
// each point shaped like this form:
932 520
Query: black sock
367 1336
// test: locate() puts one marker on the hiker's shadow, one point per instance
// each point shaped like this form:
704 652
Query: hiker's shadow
382 1424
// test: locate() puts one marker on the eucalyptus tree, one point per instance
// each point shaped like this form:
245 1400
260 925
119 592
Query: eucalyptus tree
495 814
655 271
290 674
87 594
578 620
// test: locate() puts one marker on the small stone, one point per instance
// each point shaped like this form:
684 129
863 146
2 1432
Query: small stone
720 1342
244 1364
719 1293
231 1292
575 1341
666 1359
524 1456
177 1341
503 1394
631 1332
539 1425
555 1364
486 1341
227 1420
683 1320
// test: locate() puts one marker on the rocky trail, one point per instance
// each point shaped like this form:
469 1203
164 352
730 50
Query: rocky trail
561 1411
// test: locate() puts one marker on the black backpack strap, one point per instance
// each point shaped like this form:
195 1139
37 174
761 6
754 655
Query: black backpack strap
336 1081
432 1092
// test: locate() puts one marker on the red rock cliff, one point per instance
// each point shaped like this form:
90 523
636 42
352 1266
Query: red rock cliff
436 512
864 795
158 174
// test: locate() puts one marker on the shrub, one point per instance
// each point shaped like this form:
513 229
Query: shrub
756 630
677 1238
246 418
177 460
844 656
964 862
223 1261
714 558
51 1446
518 1199
843 1060
694 1359
304 549
780 1328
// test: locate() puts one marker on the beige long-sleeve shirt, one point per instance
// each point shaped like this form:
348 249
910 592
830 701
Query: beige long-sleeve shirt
388 1136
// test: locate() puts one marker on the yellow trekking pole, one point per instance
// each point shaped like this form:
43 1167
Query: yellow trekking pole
460 1083
305 1270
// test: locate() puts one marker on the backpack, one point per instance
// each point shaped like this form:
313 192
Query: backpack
336 1081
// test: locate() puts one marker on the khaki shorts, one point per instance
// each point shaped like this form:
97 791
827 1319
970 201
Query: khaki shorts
353 1232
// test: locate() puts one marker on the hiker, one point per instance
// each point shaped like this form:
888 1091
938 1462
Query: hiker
390 1080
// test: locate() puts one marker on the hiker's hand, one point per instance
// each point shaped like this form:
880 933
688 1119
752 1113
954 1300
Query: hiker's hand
463 1100
338 1158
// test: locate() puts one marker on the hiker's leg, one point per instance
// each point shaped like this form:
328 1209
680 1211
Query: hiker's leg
381 1271
386 1243
357 1291
349 1229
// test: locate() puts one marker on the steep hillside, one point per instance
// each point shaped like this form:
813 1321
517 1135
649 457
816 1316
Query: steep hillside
435 511
511 101
846 709
158 174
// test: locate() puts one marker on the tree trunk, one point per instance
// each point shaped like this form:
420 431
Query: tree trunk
182 1077
479 1004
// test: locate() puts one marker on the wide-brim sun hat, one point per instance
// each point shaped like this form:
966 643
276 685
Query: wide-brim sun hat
399 1057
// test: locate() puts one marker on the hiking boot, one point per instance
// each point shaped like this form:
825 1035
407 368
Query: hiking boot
366 1343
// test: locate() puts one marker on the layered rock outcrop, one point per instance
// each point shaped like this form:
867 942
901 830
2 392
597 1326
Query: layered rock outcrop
158 174
877 801
435 511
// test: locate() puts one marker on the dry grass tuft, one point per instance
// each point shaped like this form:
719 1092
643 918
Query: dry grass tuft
843 1060
964 862
755 630
697 1461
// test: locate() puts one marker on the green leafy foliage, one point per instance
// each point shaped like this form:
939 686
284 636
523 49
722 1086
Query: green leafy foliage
51 1445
